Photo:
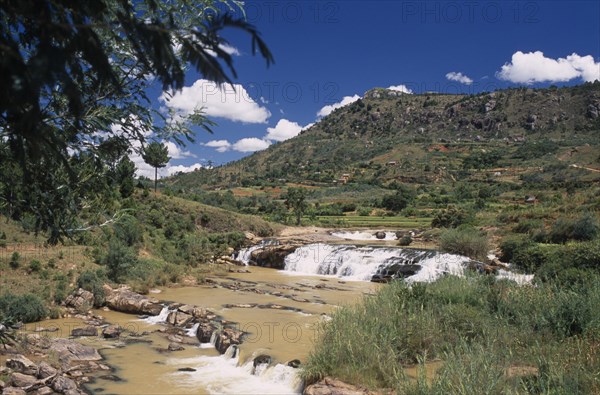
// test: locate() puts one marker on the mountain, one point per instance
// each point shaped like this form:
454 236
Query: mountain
385 131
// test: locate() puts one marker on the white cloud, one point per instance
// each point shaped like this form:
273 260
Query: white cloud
459 77
183 169
344 102
534 67
226 101
400 88
220 145
283 130
250 144
176 152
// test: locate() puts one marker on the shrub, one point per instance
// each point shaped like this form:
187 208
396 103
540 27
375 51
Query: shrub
92 281
15 260
583 228
452 217
24 308
118 260
465 241
35 265
128 230
510 247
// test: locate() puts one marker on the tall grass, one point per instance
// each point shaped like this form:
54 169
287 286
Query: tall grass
493 337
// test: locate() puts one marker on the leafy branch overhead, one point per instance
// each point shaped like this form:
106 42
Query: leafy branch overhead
75 74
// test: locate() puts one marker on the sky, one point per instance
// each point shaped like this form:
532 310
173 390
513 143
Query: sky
329 53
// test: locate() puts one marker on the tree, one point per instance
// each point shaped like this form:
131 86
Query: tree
72 73
156 155
124 174
296 201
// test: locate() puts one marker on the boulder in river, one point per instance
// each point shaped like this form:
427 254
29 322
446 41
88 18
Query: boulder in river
205 331
331 386
20 363
226 338
111 332
80 299
85 331
177 318
70 351
126 301
380 235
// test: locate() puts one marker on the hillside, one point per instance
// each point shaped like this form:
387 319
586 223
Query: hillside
408 132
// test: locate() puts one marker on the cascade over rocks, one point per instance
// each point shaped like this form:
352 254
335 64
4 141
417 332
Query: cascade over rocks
272 256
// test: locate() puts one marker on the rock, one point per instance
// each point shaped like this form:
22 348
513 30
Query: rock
22 364
2 384
13 391
175 339
262 359
69 351
177 318
228 337
45 370
186 370
294 363
17 379
331 386
111 377
393 272
80 299
272 256
205 331
126 301
63 384
380 235
43 391
85 331
175 347
111 332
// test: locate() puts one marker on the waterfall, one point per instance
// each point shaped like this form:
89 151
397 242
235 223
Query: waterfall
225 374
160 318
191 332
245 254
212 342
368 263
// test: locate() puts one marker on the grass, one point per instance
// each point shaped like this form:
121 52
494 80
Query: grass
493 337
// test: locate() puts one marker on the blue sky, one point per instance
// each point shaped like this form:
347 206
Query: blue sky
329 52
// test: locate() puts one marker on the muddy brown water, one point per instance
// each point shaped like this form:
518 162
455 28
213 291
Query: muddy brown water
141 368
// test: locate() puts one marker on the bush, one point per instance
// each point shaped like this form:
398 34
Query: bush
118 260
510 247
35 265
452 217
24 308
581 229
15 260
465 241
93 281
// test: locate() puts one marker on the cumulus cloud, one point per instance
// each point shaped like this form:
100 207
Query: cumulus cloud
176 152
283 130
459 77
532 67
250 144
400 88
183 169
220 145
344 102
231 102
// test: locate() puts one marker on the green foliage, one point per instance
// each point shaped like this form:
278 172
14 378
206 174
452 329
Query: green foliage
478 327
15 260
482 160
583 228
124 175
93 281
295 199
156 155
82 70
24 308
118 259
35 265
465 241
451 217
128 230
535 149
